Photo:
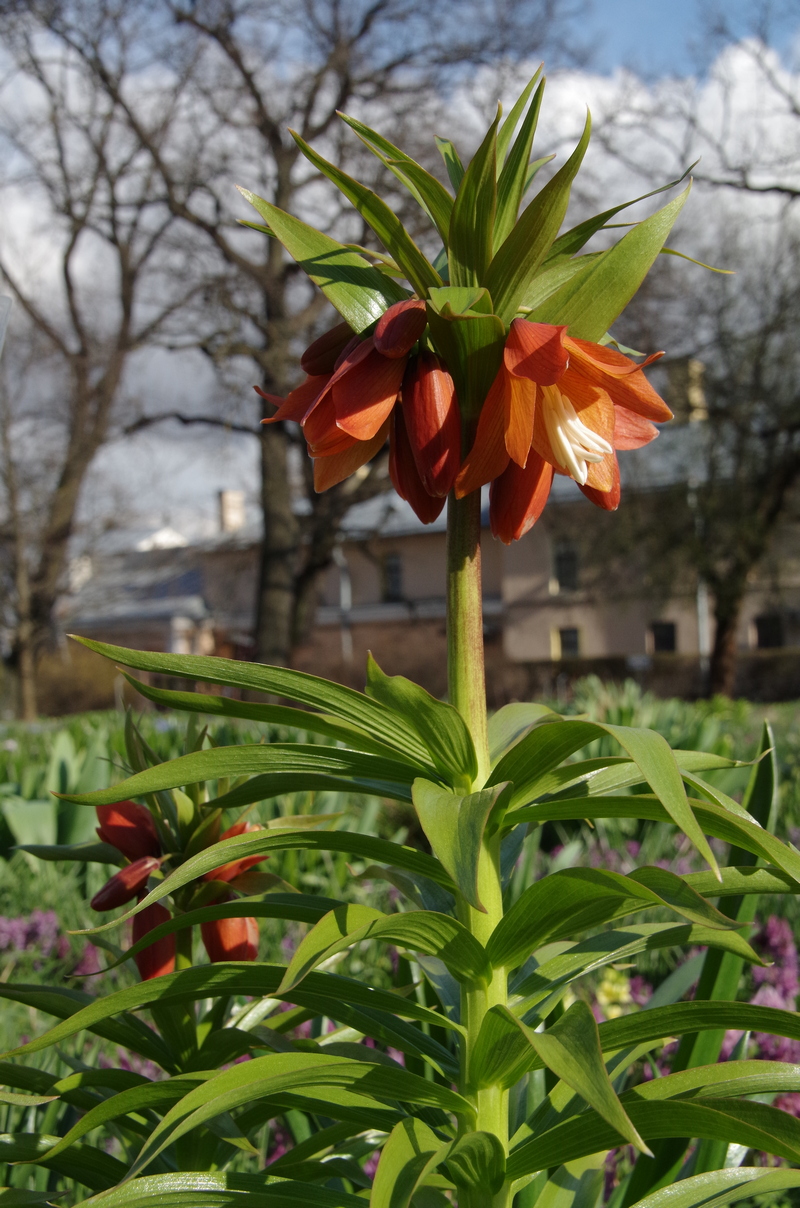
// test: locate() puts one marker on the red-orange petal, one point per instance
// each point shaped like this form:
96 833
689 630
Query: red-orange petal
400 327
405 475
518 496
433 422
365 395
607 500
321 432
299 401
321 355
520 406
631 390
337 466
607 359
600 474
631 431
488 456
536 351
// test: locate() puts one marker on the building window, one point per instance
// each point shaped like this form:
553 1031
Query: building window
769 631
565 566
664 637
392 578
569 643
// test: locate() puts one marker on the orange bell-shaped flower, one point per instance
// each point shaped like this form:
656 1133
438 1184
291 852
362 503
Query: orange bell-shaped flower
159 958
230 939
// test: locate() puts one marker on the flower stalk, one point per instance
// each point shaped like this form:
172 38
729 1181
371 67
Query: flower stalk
467 691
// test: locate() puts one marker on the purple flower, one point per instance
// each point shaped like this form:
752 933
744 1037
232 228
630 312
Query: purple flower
641 990
89 964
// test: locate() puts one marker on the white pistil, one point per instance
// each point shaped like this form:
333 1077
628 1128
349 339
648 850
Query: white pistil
573 443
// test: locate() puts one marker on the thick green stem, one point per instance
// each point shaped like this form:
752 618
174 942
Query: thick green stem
467 688
465 673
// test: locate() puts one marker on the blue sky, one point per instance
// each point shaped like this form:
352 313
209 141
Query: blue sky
659 37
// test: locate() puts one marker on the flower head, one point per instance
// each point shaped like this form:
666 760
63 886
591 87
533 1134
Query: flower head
159 957
558 405
229 872
130 828
359 393
233 939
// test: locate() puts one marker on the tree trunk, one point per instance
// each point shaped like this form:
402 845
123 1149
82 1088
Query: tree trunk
722 672
275 603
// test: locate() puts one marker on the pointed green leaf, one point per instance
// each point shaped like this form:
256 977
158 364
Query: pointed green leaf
384 222
514 175
83 853
289 767
572 241
510 123
154 1096
434 934
591 302
454 826
336 699
551 277
717 1188
219 1189
14 1099
543 987
411 1153
697 1016
575 899
752 1124
548 745
511 723
440 726
282 1073
324 993
516 262
273 715
426 189
85 1164
452 161
358 291
472 221
720 823
570 1048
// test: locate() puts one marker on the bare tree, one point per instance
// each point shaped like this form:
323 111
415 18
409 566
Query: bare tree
241 73
88 262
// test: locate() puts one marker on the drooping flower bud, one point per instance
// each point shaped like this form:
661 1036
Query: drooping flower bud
433 422
227 872
321 355
130 828
404 474
400 327
125 884
159 958
230 939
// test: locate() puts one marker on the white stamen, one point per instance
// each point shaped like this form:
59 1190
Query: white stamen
573 443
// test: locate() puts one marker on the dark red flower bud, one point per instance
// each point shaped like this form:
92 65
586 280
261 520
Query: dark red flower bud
433 422
227 872
321 356
230 939
404 474
159 958
124 884
130 828
400 327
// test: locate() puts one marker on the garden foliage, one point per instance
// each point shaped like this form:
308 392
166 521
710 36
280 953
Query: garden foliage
481 1075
